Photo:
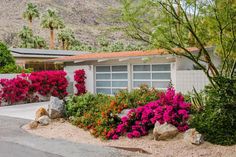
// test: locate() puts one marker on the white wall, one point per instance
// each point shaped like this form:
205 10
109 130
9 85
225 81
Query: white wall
89 82
8 76
186 80
183 63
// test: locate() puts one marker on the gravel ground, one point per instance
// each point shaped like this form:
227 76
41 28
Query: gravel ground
173 148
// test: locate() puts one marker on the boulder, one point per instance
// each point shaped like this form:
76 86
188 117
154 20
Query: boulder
40 112
44 120
164 131
193 136
55 108
124 113
62 120
33 125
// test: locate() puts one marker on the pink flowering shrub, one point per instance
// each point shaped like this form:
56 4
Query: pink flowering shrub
170 108
14 90
27 87
48 83
80 81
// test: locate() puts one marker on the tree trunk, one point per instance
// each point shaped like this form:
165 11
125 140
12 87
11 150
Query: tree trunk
52 46
31 23
63 44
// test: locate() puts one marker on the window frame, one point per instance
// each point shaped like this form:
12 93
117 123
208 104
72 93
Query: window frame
151 72
111 80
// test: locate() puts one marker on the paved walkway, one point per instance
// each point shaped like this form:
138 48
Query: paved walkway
25 111
16 142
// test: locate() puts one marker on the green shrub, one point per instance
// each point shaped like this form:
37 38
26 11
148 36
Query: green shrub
78 105
137 97
218 119
98 112
5 56
12 68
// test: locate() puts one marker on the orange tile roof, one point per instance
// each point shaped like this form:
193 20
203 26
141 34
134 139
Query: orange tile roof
116 55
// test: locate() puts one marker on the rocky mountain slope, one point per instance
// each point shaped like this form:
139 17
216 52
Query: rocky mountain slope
86 17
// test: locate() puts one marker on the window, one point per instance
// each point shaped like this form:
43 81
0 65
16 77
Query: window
111 79
154 75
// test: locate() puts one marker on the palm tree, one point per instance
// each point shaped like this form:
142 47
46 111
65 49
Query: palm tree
30 13
26 37
66 37
39 42
51 20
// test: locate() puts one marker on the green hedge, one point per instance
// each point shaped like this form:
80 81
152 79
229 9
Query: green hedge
217 121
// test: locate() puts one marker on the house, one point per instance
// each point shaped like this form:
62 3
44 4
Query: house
110 72
35 58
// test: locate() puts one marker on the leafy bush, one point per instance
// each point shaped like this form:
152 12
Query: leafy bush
12 68
137 97
7 62
28 87
218 119
170 108
92 112
78 105
80 81
99 113
5 56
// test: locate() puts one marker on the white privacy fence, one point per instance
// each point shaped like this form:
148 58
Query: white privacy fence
8 76
186 80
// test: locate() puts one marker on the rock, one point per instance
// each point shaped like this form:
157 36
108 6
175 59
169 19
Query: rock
62 120
40 112
193 136
124 113
55 108
33 124
164 131
44 120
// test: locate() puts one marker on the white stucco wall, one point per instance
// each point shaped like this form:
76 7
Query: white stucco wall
182 75
8 76
89 82
187 79
89 68
183 64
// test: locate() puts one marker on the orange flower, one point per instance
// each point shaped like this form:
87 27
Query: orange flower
99 122
112 104
125 106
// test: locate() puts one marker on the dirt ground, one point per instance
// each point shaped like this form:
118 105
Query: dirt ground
176 147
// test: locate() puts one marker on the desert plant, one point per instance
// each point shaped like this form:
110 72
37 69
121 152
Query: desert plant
197 101
51 20
66 37
30 13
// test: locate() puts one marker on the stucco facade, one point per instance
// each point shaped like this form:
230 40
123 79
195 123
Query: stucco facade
177 65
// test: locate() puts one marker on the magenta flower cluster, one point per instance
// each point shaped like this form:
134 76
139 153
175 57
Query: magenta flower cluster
79 78
28 87
170 108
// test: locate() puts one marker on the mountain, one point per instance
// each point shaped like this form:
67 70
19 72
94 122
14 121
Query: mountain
88 18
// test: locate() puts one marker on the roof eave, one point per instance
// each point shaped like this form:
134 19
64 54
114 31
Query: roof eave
112 58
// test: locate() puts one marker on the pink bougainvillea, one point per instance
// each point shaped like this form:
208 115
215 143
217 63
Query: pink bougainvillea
170 108
48 83
80 81
28 87
14 90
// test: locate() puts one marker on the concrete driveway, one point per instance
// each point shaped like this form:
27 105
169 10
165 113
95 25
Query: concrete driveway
25 111
15 142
